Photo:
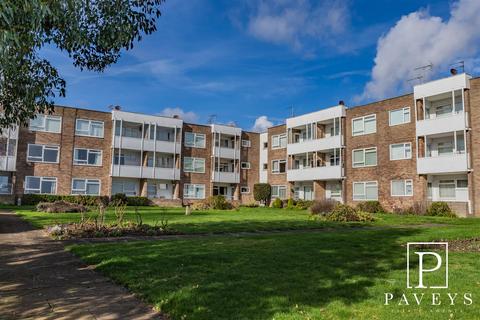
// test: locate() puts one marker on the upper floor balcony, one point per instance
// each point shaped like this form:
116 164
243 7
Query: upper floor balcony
226 141
315 166
225 177
226 171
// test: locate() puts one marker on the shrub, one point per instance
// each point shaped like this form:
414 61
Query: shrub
252 204
277 203
371 207
418 208
119 198
200 205
323 207
345 213
440 209
60 206
290 204
303 204
261 192
138 201
86 200
219 203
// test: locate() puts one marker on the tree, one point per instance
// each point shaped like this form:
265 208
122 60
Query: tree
92 32
261 192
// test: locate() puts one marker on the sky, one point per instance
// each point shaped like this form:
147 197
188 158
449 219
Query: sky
254 63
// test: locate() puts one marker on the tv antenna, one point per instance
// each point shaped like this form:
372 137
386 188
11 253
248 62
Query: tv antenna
458 64
421 72
292 112
212 119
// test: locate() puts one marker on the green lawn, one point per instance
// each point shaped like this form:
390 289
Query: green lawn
339 274
213 221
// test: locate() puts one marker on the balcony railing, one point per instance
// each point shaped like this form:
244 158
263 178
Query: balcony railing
225 177
148 145
159 173
450 163
315 173
228 153
315 145
445 123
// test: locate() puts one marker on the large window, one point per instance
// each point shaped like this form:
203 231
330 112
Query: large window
402 188
447 189
279 192
128 187
90 128
364 125
399 116
42 153
194 191
279 166
43 185
279 141
365 190
399 151
87 157
195 140
364 157
86 186
5 185
194 165
46 123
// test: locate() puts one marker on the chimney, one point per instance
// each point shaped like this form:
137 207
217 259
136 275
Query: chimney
453 71
341 102
176 116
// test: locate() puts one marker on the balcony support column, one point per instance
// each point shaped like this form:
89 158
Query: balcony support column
176 190
143 187
319 190
236 193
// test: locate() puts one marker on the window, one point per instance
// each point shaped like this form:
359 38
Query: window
244 190
41 185
399 116
42 153
336 190
265 145
46 123
364 157
462 184
128 187
364 125
365 190
279 141
245 165
279 166
90 128
265 166
401 188
445 148
194 191
279 192
194 165
447 189
88 157
5 185
400 151
86 186
194 140
246 143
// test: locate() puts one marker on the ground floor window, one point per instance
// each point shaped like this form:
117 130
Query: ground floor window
279 192
446 189
41 185
402 188
86 186
367 190
129 188
194 191
244 190
5 185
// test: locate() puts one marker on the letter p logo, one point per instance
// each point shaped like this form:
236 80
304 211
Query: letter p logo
432 266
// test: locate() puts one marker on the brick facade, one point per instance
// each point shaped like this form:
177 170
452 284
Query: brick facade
277 154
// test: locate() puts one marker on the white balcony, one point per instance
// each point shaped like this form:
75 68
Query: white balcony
228 153
454 122
315 145
317 116
8 163
226 177
454 163
148 145
435 87
317 173
145 172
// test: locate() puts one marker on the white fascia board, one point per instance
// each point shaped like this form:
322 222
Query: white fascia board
141 118
317 116
432 88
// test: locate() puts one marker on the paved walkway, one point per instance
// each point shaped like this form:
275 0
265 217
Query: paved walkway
39 280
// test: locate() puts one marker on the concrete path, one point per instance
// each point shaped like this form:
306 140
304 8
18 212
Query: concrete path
39 280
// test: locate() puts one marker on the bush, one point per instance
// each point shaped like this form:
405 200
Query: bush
219 203
252 204
200 205
303 204
138 201
418 208
261 192
440 209
323 207
345 213
290 204
277 203
86 200
370 206
60 207
119 198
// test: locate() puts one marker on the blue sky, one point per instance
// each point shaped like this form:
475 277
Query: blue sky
242 60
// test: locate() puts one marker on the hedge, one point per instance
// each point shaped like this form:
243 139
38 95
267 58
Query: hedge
86 200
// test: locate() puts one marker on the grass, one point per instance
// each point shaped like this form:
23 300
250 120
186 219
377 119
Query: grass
321 275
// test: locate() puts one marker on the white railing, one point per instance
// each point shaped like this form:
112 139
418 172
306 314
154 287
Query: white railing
315 173
443 164
147 145
315 145
229 153
453 122
145 172
226 177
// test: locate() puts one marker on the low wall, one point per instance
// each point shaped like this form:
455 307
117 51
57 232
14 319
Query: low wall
7 199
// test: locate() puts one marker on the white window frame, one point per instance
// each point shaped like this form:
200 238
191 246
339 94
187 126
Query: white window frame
405 144
278 145
195 144
245 165
279 161
50 147
277 195
194 160
42 179
89 134
244 190
86 181
362 133
405 183
45 117
88 154
404 121
364 196
365 150
246 143
187 185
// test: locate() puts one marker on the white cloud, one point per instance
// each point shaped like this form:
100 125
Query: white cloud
292 22
188 116
261 124
419 39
